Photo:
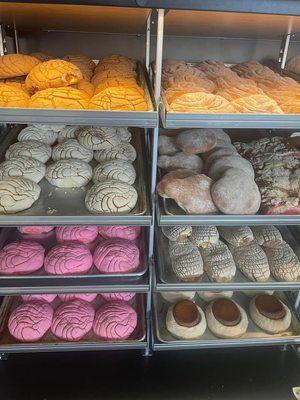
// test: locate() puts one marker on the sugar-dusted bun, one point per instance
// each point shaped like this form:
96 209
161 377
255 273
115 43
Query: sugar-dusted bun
60 98
96 138
34 133
117 169
189 266
284 263
68 132
121 232
52 74
258 104
24 167
122 151
31 148
89 297
48 298
125 296
167 145
12 65
12 96
71 149
82 234
222 164
69 173
201 102
195 141
267 235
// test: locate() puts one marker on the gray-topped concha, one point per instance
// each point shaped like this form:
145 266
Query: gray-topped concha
122 151
284 264
177 233
122 132
119 170
70 148
96 138
52 127
267 235
34 133
37 150
71 173
68 132
180 248
236 235
24 167
188 267
204 236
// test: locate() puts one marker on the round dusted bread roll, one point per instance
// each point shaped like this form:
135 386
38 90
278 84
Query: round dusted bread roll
13 96
82 234
167 145
116 169
174 297
68 259
12 65
21 257
89 297
111 196
63 98
195 141
120 232
72 320
115 256
24 167
180 160
35 230
42 56
222 164
17 194
69 173
48 298
123 151
31 148
125 296
67 132
52 74
34 133
96 138
70 148
115 320
30 321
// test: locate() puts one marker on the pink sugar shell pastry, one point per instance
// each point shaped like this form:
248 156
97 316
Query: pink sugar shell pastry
30 321
35 230
115 320
73 320
82 234
21 257
125 296
115 256
68 259
48 298
82 296
121 232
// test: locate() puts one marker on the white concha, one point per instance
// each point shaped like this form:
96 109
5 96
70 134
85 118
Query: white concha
267 235
24 167
283 262
37 150
177 233
17 194
68 132
122 151
39 135
119 170
122 132
188 267
204 236
51 127
96 138
70 148
111 196
236 235
70 173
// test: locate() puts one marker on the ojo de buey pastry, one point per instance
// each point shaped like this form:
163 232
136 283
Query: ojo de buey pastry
115 256
60 98
89 297
21 257
121 232
186 320
70 148
82 234
12 65
96 138
188 267
167 145
42 56
283 262
71 173
122 151
35 229
258 104
270 313
201 102
48 298
24 167
204 236
30 321
222 164
124 296
174 297
236 235
31 148
12 96
17 194
252 261
218 262
52 74
115 320
67 132
111 196
208 296
180 160
68 259
267 235
195 141
36 134
226 319
177 233
73 320
119 170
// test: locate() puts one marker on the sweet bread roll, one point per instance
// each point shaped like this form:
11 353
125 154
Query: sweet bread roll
85 64
116 81
222 164
18 82
180 160
239 90
196 141
119 98
114 72
258 104
61 98
52 74
214 69
12 65
201 102
13 96
42 56
116 59
177 233
188 81
167 145
85 87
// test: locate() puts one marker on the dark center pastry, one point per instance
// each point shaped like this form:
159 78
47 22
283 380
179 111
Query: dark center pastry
186 313
226 312
270 306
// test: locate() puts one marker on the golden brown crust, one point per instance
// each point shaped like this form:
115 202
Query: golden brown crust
61 98
258 104
12 65
12 96
42 56
115 59
85 64
86 87
113 72
117 81
201 102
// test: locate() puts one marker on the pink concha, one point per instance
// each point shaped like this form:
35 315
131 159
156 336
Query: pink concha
68 259
126 296
116 256
73 320
35 230
82 296
121 232
115 320
82 234
30 321
21 257
48 298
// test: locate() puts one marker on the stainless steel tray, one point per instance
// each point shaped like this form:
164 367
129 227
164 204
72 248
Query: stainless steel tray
253 337
66 206
169 281
49 342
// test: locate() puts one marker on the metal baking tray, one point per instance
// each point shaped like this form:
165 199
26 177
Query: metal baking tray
66 206
147 119
49 342
253 337
169 280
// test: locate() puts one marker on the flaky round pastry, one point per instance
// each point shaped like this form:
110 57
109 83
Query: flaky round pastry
258 104
119 98
52 74
200 102
12 65
61 98
13 96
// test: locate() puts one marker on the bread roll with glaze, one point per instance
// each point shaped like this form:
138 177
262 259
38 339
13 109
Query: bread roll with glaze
12 96
60 98
12 65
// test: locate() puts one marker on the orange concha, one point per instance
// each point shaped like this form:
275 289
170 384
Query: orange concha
12 96
52 74
12 65
61 98
114 72
86 87
118 81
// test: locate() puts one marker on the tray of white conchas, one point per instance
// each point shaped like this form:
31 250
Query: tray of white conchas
48 252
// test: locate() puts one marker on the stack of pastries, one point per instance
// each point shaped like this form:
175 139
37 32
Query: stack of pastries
73 82
211 87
